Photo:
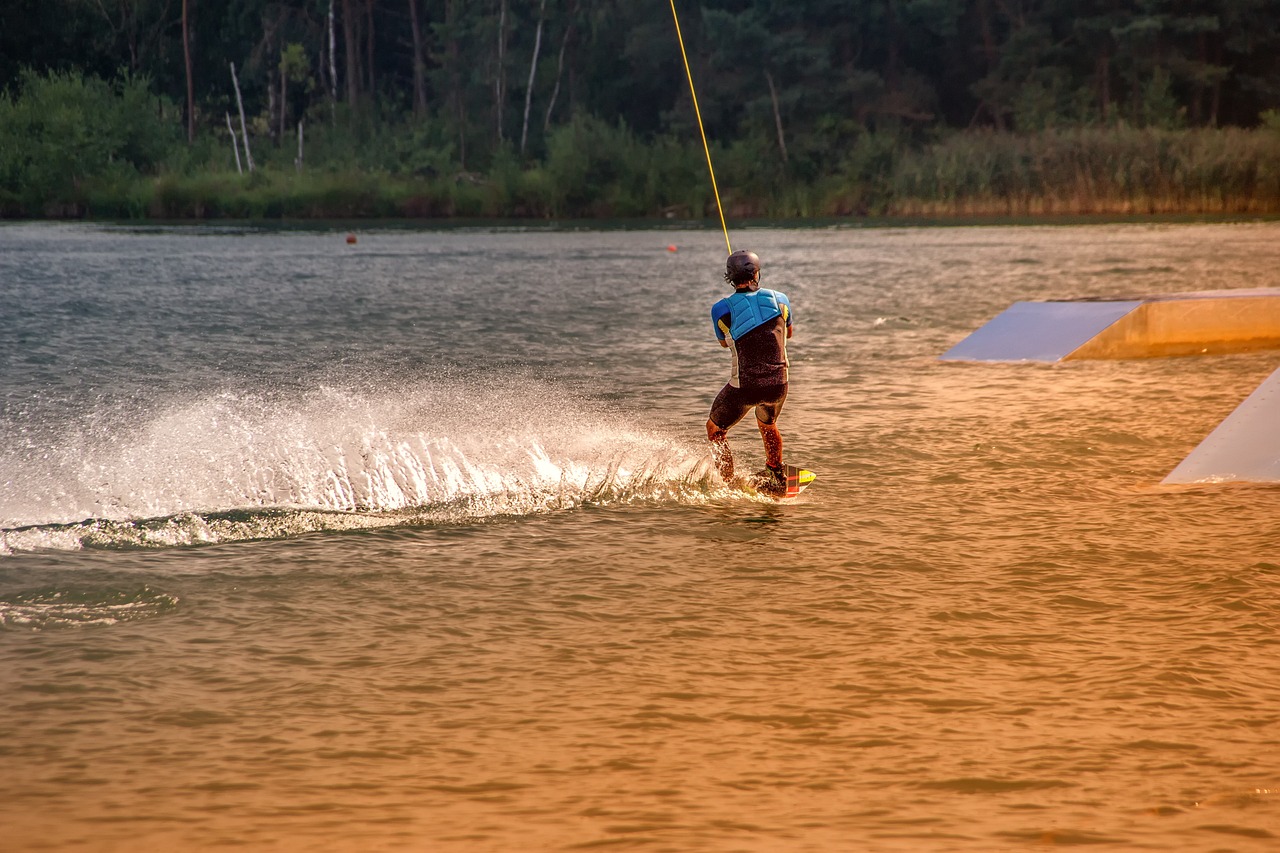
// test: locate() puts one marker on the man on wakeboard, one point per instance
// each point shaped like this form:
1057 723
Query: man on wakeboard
754 324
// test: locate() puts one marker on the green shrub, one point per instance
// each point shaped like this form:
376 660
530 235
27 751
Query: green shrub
66 139
596 169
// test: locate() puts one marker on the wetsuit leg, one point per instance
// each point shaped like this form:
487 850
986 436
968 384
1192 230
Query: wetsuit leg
730 406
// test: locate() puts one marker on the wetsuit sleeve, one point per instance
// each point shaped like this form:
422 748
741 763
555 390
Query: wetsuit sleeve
720 319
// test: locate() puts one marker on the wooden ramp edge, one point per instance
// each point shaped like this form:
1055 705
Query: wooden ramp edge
1199 323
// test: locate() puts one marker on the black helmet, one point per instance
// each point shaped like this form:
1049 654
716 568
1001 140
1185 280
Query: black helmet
742 266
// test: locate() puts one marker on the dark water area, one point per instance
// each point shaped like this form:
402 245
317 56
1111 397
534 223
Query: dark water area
414 544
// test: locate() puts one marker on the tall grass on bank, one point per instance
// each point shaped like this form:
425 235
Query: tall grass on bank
1091 171
593 170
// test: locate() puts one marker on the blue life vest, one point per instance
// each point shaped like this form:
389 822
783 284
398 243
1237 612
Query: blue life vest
748 310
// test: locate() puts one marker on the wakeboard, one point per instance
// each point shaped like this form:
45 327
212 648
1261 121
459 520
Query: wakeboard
764 483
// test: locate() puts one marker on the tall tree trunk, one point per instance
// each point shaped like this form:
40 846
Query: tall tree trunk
333 60
500 78
284 100
274 121
991 55
1103 74
454 57
353 60
419 63
191 91
244 131
1215 101
892 64
235 144
371 87
533 70
555 92
1198 89
777 115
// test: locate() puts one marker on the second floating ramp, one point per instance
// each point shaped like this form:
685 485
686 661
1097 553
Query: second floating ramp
1203 322
1243 447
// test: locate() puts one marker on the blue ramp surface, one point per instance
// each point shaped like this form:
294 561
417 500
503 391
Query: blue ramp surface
1245 447
1039 331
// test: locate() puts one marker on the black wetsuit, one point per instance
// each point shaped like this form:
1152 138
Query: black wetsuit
758 339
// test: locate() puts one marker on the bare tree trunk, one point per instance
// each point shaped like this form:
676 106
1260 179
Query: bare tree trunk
777 115
992 56
1215 102
333 60
1102 70
533 70
419 63
371 88
453 60
555 92
134 61
297 164
235 144
275 123
892 66
500 82
244 132
191 91
353 64
284 100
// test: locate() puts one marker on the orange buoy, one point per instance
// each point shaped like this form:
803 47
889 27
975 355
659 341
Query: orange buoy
672 248
351 239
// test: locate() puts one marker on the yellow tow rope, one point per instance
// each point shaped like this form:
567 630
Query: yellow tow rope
698 113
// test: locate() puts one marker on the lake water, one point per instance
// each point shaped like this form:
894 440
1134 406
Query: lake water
414 544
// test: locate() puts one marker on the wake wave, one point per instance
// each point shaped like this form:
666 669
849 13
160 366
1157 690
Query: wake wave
234 467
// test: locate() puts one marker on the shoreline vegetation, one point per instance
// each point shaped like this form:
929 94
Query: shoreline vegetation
74 147
1084 172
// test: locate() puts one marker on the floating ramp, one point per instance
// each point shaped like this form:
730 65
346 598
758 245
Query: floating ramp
1204 322
1243 447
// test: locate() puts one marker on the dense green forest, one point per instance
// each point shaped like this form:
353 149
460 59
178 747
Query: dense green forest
563 108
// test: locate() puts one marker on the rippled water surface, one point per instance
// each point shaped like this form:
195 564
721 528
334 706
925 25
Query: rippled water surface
413 544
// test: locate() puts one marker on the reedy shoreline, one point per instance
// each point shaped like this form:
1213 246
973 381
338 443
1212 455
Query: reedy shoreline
610 175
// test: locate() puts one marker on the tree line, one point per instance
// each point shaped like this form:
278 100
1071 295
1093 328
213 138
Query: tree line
798 92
